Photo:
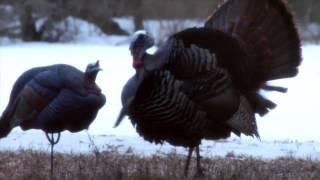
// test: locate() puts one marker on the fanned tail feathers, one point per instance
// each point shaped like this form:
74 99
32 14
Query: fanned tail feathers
266 32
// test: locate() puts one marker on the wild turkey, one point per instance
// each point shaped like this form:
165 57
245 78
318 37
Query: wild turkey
53 98
204 83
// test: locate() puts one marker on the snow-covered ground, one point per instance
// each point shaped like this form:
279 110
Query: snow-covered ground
85 142
291 129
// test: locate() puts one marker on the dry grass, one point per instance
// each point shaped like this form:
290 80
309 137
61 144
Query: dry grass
110 164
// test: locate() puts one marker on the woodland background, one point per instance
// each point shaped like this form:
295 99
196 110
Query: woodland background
46 20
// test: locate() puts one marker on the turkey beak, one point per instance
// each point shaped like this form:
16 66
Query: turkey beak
97 66
99 69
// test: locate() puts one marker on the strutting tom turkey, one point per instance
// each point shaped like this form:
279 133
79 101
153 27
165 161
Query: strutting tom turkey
204 83
53 99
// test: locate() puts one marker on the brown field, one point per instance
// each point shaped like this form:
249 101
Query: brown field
110 164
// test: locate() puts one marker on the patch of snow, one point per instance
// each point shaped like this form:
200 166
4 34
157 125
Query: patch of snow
314 28
78 31
6 8
125 23
4 41
162 29
89 33
73 31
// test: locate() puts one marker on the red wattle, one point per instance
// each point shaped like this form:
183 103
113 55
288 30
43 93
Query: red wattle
91 86
137 63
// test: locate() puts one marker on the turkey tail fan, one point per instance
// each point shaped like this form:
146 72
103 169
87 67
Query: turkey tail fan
266 31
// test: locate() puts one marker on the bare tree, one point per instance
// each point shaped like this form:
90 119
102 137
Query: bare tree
137 15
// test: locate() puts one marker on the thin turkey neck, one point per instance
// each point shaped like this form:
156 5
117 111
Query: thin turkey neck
139 72
90 77
89 83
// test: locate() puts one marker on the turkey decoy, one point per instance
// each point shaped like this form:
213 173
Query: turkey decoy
204 83
53 99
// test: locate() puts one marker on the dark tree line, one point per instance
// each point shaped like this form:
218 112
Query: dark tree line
51 13
100 12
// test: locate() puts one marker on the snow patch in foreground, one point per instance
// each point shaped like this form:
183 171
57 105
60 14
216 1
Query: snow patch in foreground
85 143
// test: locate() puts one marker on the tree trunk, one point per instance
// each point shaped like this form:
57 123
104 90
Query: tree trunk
28 27
137 16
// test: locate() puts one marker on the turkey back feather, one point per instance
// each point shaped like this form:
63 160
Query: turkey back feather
79 110
225 48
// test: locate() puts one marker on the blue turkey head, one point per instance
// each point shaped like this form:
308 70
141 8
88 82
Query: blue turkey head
92 70
140 42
